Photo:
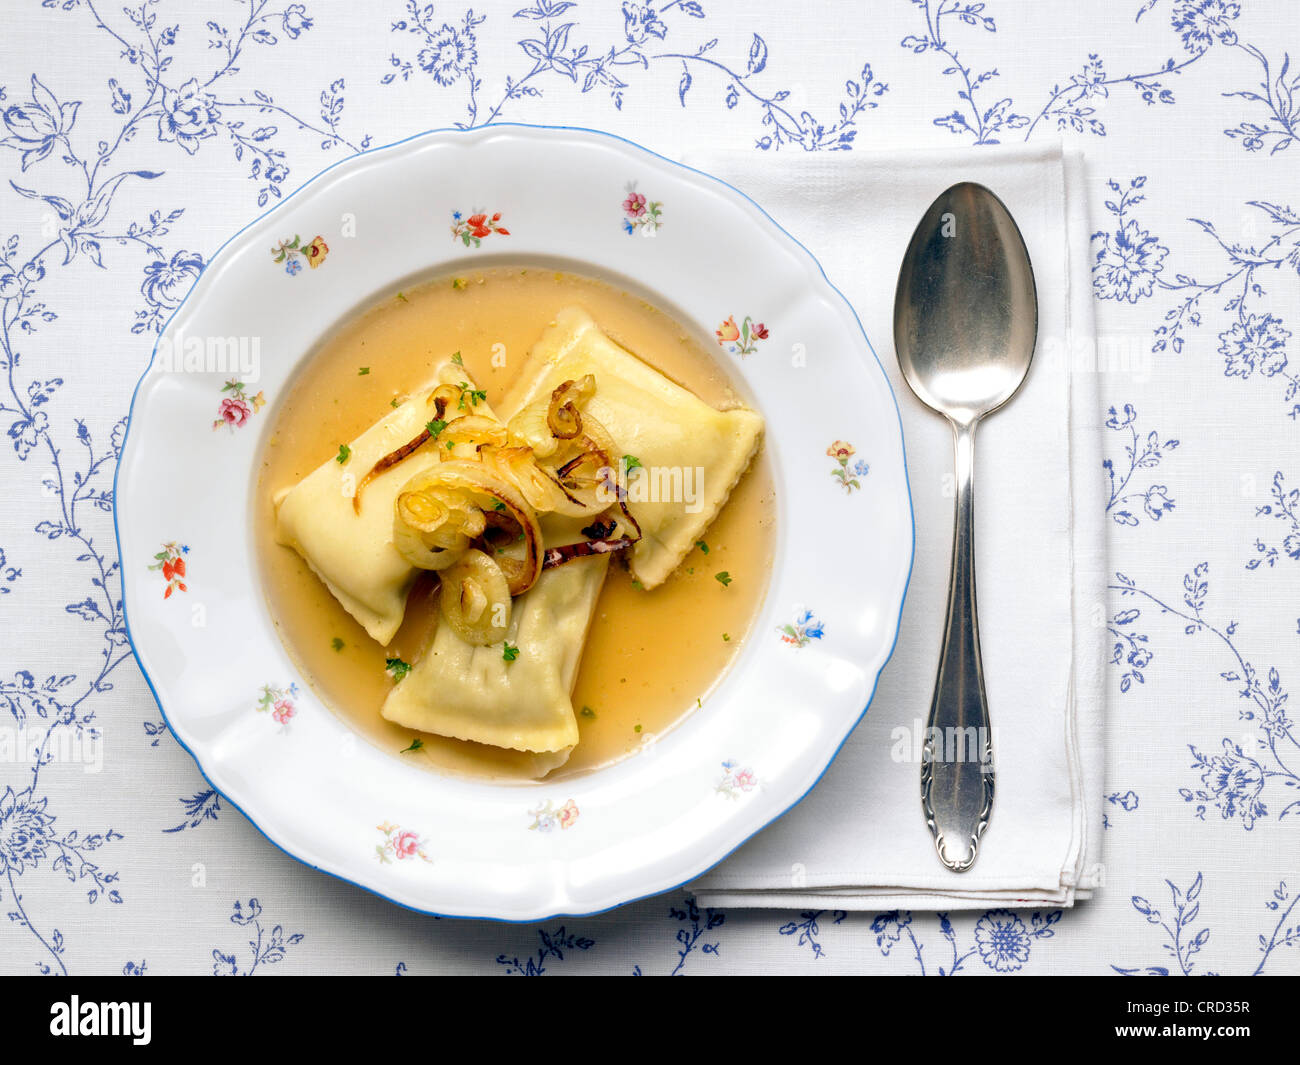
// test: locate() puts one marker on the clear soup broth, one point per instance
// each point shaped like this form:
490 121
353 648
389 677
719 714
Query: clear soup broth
651 657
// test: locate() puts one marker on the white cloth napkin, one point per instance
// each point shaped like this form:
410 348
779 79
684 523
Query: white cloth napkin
859 841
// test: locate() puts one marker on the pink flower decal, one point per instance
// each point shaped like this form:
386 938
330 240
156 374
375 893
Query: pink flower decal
237 406
235 411
640 214
547 817
279 703
400 844
406 844
736 780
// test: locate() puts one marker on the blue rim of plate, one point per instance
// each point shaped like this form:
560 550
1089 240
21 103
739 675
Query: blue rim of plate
911 513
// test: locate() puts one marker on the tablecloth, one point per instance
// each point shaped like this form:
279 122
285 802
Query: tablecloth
136 140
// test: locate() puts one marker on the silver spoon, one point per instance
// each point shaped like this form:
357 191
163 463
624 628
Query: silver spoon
965 324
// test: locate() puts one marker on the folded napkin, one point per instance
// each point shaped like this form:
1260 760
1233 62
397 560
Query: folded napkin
859 841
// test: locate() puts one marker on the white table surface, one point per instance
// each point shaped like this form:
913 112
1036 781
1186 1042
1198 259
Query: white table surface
1189 113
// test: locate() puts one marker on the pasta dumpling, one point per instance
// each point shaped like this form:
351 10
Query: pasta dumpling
690 455
523 702
339 518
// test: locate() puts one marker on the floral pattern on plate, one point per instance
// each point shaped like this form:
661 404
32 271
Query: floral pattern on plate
740 339
841 451
400 844
736 780
171 561
804 629
641 215
279 703
293 253
237 406
547 816
471 231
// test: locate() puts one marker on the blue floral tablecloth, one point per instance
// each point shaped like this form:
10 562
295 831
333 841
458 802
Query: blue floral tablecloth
136 140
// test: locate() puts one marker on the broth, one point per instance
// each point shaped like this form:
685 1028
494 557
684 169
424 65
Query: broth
650 658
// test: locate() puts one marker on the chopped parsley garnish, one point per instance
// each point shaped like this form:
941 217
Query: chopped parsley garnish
509 651
393 403
631 462
636 728
588 712
476 395
364 371
457 359
416 744
702 546
396 668
459 284
336 643
723 578
498 505
402 296
344 454
435 427
726 638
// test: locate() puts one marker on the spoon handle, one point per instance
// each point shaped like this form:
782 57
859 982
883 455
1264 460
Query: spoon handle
957 760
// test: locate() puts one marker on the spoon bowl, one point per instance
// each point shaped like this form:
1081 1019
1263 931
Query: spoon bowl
966 308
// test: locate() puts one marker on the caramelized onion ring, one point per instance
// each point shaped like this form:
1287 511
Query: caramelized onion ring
439 397
475 600
562 417
590 479
518 466
477 429
468 484
433 524
528 429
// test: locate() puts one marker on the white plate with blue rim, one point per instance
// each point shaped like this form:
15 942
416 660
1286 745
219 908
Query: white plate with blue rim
771 726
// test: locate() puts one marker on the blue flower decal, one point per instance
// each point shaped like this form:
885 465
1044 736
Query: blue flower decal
25 830
189 115
1202 22
1128 263
1256 343
1002 940
33 128
449 55
166 281
805 628
641 22
1156 502
889 928
1232 782
295 21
